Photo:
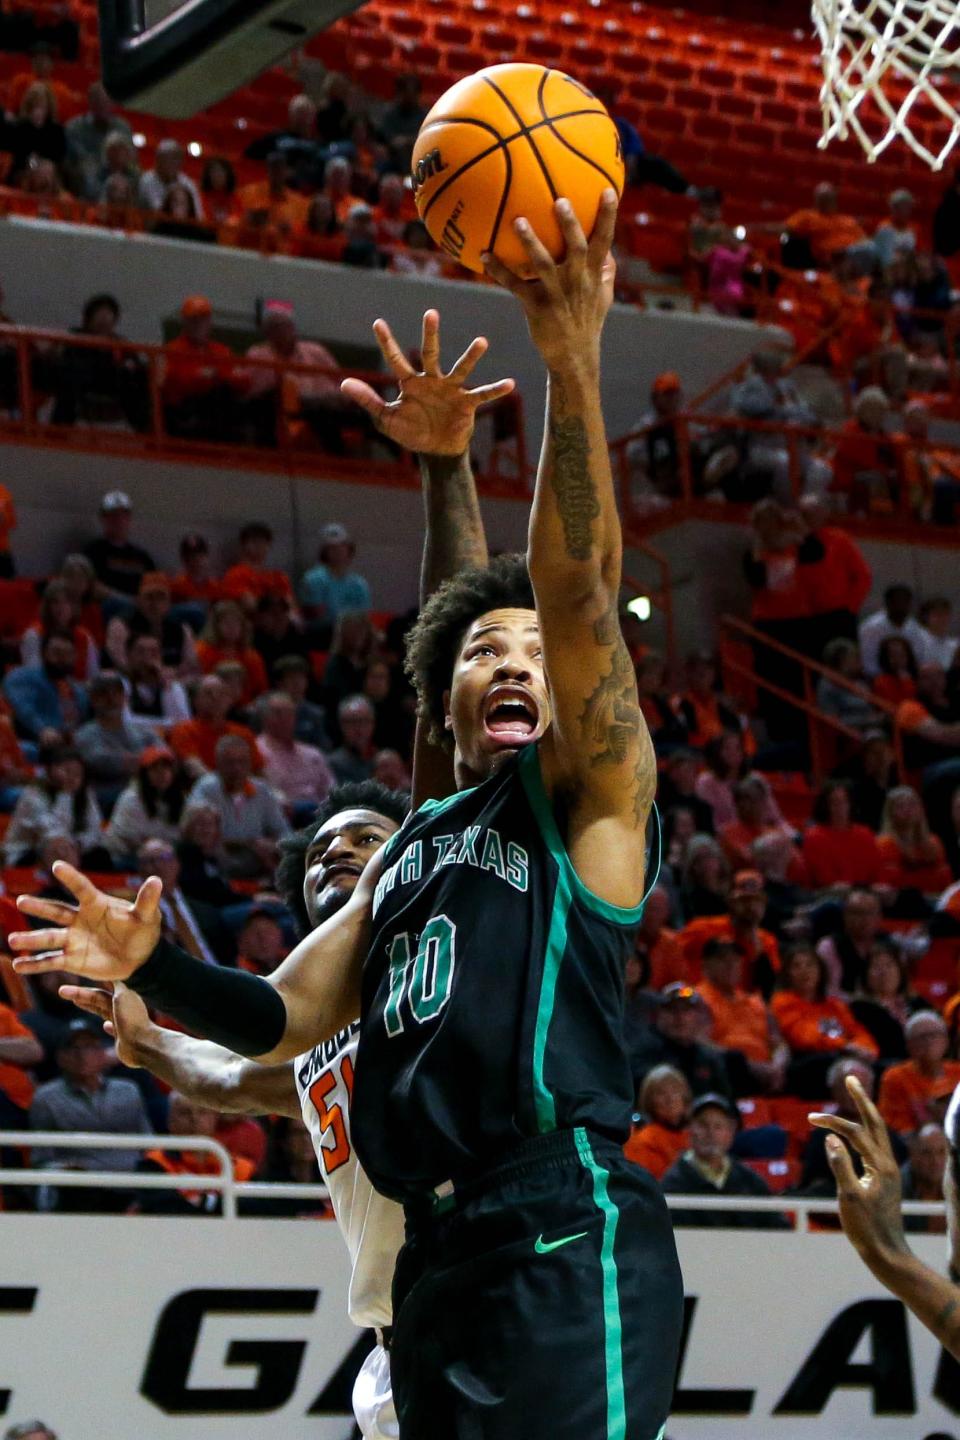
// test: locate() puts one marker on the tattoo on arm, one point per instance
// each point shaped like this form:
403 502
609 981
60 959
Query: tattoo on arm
612 721
454 536
573 485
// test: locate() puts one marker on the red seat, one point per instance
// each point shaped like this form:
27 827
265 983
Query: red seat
651 91
675 69
754 1111
715 78
739 106
19 607
452 32
780 1175
935 973
711 128
756 82
541 46
793 1115
777 113
665 121
688 97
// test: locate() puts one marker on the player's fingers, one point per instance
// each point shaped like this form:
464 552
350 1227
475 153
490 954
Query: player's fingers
147 903
574 240
47 909
540 260
95 1002
430 343
501 273
603 231
849 1129
29 942
41 965
468 360
364 395
391 352
842 1166
71 879
486 394
869 1114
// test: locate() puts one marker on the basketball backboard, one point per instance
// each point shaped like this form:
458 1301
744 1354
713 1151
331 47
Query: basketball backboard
176 57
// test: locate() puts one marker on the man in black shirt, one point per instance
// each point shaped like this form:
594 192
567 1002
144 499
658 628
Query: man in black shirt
118 564
681 1018
707 1168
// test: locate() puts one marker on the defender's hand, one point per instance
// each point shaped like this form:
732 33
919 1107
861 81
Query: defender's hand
870 1207
124 1016
433 414
567 301
102 938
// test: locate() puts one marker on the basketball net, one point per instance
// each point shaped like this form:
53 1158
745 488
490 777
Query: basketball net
882 61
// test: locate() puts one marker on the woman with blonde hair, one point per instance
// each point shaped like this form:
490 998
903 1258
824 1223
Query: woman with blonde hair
706 879
661 1139
35 132
911 857
227 635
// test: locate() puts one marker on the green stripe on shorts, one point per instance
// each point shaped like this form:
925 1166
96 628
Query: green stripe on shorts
612 1331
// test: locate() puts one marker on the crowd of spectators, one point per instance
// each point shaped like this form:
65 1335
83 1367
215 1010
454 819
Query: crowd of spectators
184 726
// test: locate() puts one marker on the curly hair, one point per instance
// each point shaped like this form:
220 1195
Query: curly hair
434 640
292 867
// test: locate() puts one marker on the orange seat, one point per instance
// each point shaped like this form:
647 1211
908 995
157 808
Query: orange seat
935 973
754 1111
780 1175
793 1115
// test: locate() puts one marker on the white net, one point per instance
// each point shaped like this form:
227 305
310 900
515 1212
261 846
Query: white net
890 69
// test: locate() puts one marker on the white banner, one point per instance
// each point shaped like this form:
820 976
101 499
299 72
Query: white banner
143 1328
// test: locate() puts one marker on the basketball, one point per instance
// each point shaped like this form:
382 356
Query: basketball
509 141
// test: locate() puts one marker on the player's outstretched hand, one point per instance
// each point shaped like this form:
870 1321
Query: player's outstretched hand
125 1017
101 938
434 413
870 1206
567 301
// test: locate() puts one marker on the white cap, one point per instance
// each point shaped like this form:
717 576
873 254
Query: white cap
115 500
334 534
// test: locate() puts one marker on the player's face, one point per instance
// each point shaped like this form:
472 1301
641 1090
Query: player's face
337 857
498 701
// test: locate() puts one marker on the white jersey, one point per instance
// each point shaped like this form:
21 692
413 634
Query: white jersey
372 1226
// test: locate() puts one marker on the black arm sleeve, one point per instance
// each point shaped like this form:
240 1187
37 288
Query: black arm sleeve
242 1012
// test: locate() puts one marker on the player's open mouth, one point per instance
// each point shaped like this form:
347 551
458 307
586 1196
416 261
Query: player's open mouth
511 716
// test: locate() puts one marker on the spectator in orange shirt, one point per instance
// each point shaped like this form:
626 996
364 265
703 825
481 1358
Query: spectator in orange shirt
250 580
193 589
915 1093
337 182
194 741
187 1119
740 1023
867 462
751 799
707 713
818 1027
227 636
912 858
8 522
68 102
201 381
759 949
897 680
271 202
658 945
19 1049
320 236
837 852
664 1133
838 585
825 229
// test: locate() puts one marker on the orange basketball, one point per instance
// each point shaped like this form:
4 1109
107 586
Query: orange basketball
506 142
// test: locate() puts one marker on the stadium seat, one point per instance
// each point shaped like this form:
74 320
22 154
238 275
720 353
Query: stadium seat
780 1175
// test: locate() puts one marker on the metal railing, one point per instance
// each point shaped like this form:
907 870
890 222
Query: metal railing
270 427
800 1210
806 701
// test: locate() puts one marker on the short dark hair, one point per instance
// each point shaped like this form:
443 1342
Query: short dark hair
100 302
359 795
803 947
256 530
435 638
898 589
820 811
883 655
717 946
291 665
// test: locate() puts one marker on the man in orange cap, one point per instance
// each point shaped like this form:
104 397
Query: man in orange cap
201 382
655 453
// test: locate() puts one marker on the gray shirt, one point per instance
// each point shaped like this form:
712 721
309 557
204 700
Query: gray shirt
348 768
254 814
116 1108
107 751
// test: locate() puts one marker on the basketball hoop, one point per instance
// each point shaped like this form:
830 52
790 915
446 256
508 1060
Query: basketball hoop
883 60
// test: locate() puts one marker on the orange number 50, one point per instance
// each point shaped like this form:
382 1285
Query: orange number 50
331 1116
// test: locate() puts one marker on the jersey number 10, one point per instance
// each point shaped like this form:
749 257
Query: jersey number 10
421 974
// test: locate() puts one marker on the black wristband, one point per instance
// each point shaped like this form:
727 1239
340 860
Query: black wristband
240 1011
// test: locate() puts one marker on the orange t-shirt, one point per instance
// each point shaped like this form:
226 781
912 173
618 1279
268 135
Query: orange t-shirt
739 1021
8 518
190 370
242 581
895 688
14 1082
182 588
904 871
198 739
210 656
821 1025
905 1094
667 960
694 936
827 233
289 210
656 1148
846 857
842 579
68 102
785 595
